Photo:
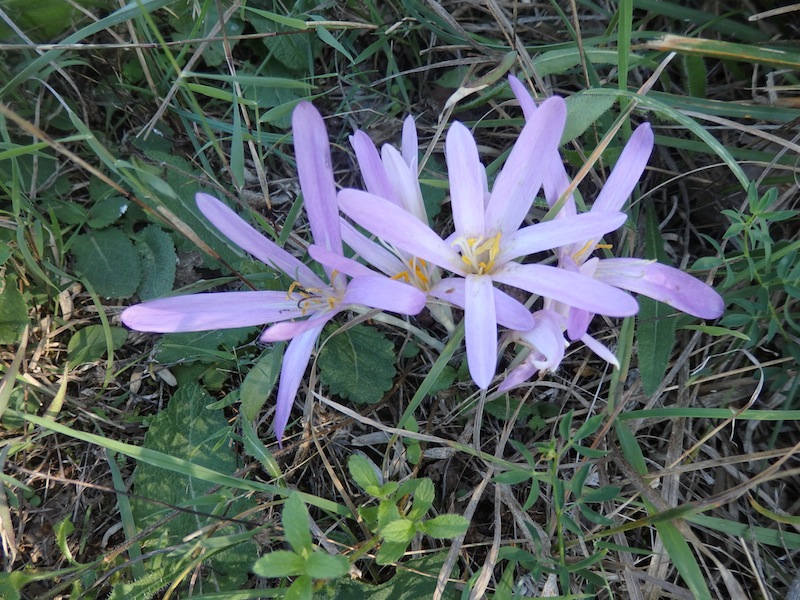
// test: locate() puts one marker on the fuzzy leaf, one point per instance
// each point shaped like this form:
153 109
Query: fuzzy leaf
363 472
295 524
13 312
445 527
186 429
414 583
106 211
157 253
258 384
279 563
321 565
89 344
401 531
108 260
655 326
358 364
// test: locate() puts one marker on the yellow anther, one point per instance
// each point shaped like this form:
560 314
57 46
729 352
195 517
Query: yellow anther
587 247
479 253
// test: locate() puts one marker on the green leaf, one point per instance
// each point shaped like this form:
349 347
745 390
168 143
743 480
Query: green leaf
293 51
13 311
400 531
301 589
445 527
655 326
201 346
321 565
364 472
159 261
256 448
279 563
89 344
108 260
582 111
603 494
188 430
258 384
423 499
295 525
358 364
106 211
414 582
390 552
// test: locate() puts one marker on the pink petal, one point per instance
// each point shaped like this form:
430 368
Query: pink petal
248 239
371 166
510 312
281 332
404 183
480 326
663 283
377 291
600 350
396 226
337 262
570 288
524 170
410 144
627 171
466 185
295 361
315 171
203 312
558 232
372 252
525 100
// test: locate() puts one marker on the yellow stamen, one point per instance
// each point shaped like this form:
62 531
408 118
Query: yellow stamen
479 254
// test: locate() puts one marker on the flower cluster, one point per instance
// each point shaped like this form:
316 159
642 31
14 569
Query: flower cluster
414 266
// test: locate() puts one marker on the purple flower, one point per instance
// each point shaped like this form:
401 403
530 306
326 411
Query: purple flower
488 240
546 345
300 313
666 284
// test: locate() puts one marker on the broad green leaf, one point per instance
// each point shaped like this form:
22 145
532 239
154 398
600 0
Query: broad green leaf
415 580
259 382
401 531
295 525
582 111
423 499
445 527
603 494
186 429
363 472
145 588
256 448
89 344
159 261
321 565
358 364
106 211
201 346
301 589
13 311
391 552
655 326
109 262
279 563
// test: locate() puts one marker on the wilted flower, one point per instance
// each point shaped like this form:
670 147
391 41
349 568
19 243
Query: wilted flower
310 299
488 239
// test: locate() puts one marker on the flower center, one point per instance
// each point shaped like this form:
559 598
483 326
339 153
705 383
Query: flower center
416 274
309 299
479 253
